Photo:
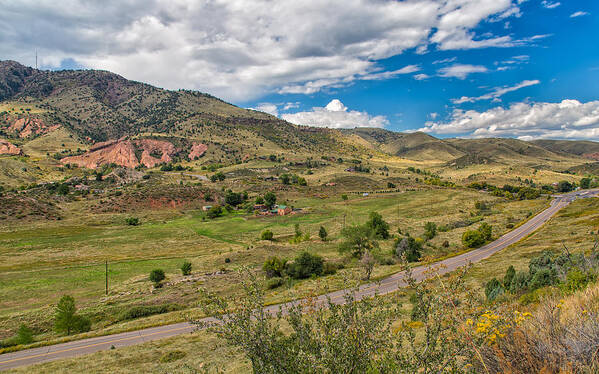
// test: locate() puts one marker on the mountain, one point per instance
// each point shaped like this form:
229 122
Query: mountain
586 149
90 118
100 106
415 146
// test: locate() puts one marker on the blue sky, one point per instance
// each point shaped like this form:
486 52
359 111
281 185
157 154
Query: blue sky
476 68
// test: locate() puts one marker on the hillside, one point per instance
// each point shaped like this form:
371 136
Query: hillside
415 146
91 118
586 149
101 106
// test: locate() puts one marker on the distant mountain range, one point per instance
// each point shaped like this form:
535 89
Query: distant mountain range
97 106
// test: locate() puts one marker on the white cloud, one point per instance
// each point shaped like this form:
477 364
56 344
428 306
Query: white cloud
568 119
420 77
550 4
445 60
243 49
578 14
390 74
335 115
461 71
267 108
496 92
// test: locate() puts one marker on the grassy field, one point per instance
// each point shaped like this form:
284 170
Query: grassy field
573 225
42 261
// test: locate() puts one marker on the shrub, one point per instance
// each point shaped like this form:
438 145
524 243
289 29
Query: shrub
576 280
509 276
519 282
410 248
305 265
344 197
132 221
493 288
186 268
227 260
543 277
266 235
322 233
215 212
63 189
157 276
486 231
24 335
172 356
139 311
330 268
473 239
274 283
274 267
430 230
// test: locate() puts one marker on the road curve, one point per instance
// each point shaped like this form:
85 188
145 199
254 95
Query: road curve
387 285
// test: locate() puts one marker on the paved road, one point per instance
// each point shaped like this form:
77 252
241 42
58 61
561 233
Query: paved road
387 285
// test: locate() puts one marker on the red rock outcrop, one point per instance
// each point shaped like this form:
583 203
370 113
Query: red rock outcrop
26 127
197 150
592 156
149 146
122 152
7 148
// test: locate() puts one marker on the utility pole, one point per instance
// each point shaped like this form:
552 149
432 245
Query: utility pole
106 272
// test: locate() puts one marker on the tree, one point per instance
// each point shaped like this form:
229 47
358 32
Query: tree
271 199
378 225
585 183
430 230
486 231
564 186
157 276
509 277
473 239
233 199
322 233
214 212
285 178
358 239
24 335
305 265
410 248
344 197
274 267
186 268
367 262
259 200
266 235
66 320
132 221
63 189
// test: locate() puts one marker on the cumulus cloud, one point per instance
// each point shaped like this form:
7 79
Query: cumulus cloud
496 92
242 49
461 71
568 119
269 108
335 115
578 14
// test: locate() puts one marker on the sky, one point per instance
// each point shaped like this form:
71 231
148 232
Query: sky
452 68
